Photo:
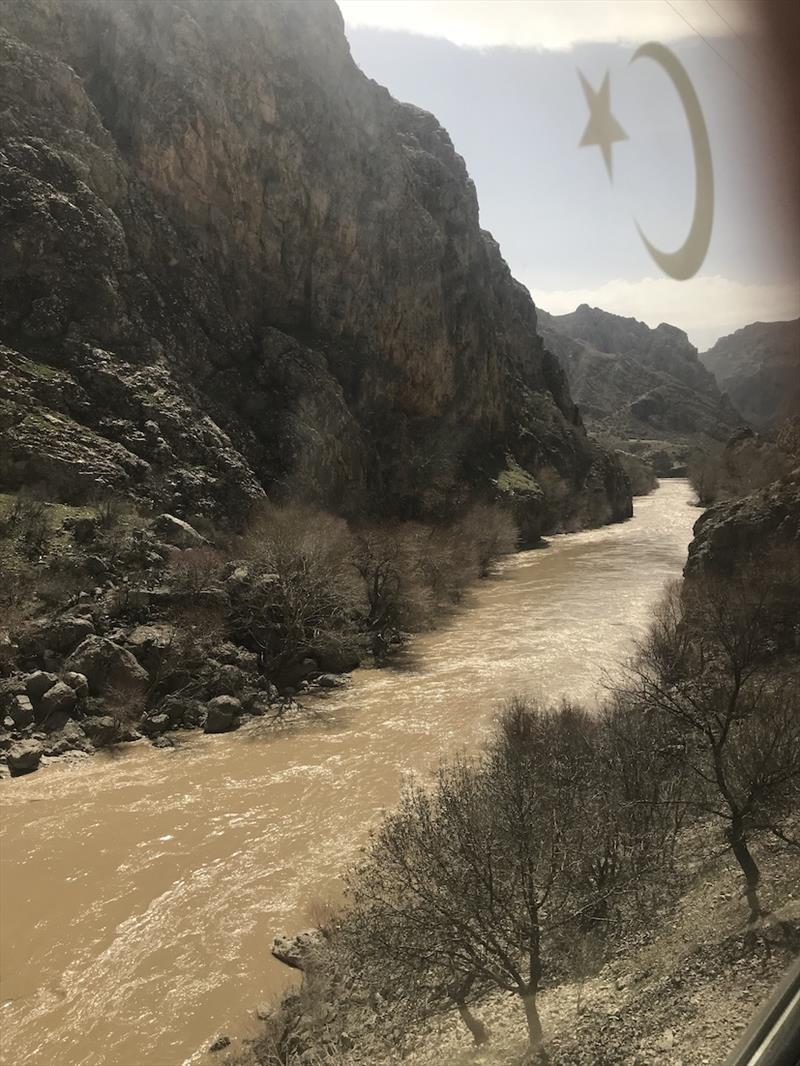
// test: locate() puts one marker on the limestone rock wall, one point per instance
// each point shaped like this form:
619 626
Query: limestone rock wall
231 264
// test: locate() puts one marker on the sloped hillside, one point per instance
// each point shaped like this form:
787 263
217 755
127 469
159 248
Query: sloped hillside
636 382
759 368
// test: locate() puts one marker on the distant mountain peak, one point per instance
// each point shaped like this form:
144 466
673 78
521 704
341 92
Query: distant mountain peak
758 366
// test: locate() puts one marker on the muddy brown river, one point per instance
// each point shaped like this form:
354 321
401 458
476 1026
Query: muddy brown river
141 890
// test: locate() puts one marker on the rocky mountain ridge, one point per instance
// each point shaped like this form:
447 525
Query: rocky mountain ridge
233 265
758 366
635 382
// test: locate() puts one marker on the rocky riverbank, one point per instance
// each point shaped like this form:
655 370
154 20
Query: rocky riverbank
122 625
141 654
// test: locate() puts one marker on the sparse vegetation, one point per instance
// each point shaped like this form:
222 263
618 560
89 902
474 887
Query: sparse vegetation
746 463
251 618
572 834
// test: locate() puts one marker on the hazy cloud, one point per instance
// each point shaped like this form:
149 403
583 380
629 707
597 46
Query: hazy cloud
547 24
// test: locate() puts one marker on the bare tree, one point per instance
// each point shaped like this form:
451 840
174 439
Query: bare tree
388 561
715 667
476 882
298 589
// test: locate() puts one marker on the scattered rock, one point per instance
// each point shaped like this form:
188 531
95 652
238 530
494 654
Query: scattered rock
106 664
67 633
21 711
70 738
222 714
176 532
24 757
37 683
102 730
332 681
334 658
56 706
155 725
77 682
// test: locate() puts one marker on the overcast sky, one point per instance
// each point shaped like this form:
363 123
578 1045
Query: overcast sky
502 78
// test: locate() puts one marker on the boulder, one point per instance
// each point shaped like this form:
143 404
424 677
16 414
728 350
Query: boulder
335 658
155 725
150 644
223 679
176 532
102 730
56 706
220 1043
106 664
298 671
77 682
65 634
232 655
70 738
24 757
37 683
332 681
222 714
296 951
181 711
21 711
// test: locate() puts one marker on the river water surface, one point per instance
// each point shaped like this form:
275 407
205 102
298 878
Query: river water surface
141 890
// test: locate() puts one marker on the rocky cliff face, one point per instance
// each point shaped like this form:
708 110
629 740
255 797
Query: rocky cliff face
232 264
634 381
734 533
759 368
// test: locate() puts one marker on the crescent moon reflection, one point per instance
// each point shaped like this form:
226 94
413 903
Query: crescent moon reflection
687 260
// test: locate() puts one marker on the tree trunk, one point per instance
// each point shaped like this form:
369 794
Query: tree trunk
532 1017
752 874
475 1025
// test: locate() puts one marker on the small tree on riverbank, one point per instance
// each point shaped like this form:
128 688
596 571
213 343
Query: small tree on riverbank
482 880
716 669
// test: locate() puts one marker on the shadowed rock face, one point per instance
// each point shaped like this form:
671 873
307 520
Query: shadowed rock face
735 532
636 381
233 264
759 367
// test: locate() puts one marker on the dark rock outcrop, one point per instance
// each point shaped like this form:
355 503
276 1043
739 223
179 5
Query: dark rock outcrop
296 951
759 368
232 264
735 532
